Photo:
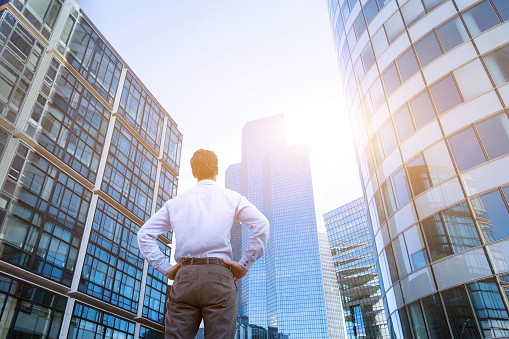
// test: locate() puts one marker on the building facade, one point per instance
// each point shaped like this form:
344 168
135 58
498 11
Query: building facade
354 260
333 305
87 155
282 296
426 85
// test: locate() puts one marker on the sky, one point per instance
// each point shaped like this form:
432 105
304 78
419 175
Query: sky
215 65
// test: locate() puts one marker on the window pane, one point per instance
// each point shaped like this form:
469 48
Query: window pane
439 163
460 227
370 10
401 187
419 175
434 231
394 27
434 313
489 308
404 124
346 53
359 25
390 202
422 109
464 75
390 79
416 248
498 65
377 94
466 149
492 216
368 58
407 65
494 134
351 38
480 18
460 316
345 11
412 11
502 8
428 49
388 137
432 4
452 33
418 324
445 94
379 42
401 256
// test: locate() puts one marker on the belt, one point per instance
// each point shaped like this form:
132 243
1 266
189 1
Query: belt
204 261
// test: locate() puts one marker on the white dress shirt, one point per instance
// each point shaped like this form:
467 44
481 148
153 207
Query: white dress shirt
201 220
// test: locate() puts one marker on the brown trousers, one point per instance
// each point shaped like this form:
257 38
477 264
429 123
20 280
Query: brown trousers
199 292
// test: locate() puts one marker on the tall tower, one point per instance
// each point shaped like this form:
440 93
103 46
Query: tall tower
87 154
283 291
426 84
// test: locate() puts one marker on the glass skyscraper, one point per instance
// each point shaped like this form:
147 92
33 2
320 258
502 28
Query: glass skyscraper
87 154
351 245
282 296
426 85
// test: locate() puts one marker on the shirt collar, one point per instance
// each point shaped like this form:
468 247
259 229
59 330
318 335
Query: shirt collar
206 182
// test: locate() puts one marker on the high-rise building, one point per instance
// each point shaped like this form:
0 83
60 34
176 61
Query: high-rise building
282 295
87 154
351 245
426 85
333 305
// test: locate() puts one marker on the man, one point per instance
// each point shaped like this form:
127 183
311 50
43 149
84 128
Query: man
205 276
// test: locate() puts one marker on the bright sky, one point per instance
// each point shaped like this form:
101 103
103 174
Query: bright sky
215 65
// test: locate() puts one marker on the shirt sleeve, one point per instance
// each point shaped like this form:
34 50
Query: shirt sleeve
158 224
250 216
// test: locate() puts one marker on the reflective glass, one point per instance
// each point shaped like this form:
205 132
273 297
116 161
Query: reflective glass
379 41
401 255
377 94
489 308
480 18
403 122
390 79
445 94
435 317
466 149
368 58
416 247
432 4
148 333
497 63
451 34
502 7
459 313
407 64
394 27
439 163
388 137
88 322
422 109
370 10
427 49
436 237
418 324
494 134
419 175
492 215
345 11
412 11
340 27
460 227
41 14
359 25
390 202
401 187
464 75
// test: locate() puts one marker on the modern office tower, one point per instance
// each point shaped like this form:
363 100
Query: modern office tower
282 295
87 154
351 245
426 85
335 317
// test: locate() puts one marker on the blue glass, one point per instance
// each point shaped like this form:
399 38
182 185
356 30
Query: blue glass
435 317
492 215
459 313
466 149
89 322
370 10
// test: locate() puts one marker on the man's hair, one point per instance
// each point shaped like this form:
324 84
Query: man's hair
204 164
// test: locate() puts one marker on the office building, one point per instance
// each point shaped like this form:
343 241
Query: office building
87 154
333 305
282 296
354 261
426 86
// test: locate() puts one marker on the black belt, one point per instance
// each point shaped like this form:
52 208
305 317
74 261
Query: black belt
205 261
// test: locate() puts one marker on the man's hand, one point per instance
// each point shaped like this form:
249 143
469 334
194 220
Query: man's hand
238 271
173 272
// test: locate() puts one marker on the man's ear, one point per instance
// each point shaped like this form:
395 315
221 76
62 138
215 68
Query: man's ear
194 175
217 170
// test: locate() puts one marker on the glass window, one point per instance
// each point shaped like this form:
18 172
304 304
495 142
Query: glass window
359 69
434 313
401 255
419 175
497 63
345 11
380 43
439 163
466 149
502 7
403 122
464 75
351 38
432 4
451 34
417 319
390 79
492 215
436 237
382 3
480 18
394 27
346 53
370 10
460 227
445 94
427 49
416 248
368 58
460 316
412 11
388 137
494 133
359 25
390 202
407 64
401 187
377 94
422 109
489 308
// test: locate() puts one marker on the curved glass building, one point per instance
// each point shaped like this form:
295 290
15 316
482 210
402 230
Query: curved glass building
426 85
